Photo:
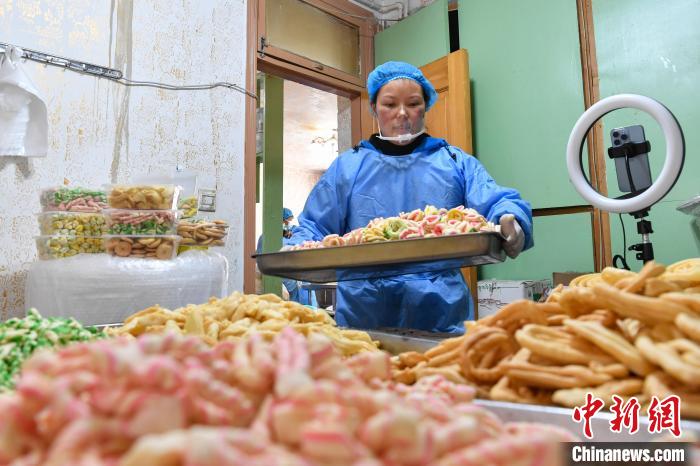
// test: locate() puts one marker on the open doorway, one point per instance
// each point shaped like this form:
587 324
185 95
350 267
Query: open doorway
334 52
316 130
301 131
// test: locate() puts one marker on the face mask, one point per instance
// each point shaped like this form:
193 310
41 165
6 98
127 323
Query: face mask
403 138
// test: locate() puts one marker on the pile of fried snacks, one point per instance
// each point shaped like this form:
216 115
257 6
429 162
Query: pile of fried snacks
615 332
19 338
188 206
143 197
201 232
238 316
166 400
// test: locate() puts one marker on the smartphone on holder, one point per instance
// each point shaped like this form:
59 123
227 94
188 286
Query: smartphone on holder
639 168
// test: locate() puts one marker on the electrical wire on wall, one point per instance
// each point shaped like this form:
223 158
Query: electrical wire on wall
622 259
184 87
116 75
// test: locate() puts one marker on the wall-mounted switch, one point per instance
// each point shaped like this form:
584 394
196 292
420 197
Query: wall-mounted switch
207 200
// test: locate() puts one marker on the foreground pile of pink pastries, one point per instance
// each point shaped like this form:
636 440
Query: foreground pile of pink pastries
172 400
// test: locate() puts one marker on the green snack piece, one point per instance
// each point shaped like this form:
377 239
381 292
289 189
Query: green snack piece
19 338
393 228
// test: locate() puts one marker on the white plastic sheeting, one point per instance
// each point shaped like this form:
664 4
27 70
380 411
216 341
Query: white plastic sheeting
101 289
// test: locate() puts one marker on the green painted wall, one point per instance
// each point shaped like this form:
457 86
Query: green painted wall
418 39
563 244
527 92
272 174
653 48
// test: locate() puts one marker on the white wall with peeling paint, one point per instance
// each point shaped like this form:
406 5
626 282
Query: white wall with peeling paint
101 132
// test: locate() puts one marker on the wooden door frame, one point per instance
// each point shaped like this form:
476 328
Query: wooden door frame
602 250
273 157
298 69
344 11
458 108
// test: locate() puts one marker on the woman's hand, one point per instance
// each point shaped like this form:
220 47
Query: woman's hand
513 234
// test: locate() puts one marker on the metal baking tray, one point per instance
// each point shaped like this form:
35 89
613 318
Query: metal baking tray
562 417
691 207
385 259
396 343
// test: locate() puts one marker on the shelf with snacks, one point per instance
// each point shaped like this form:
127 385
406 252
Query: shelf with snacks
142 221
71 222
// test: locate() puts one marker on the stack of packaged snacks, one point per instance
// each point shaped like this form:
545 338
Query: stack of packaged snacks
59 247
65 199
71 222
188 206
141 221
202 233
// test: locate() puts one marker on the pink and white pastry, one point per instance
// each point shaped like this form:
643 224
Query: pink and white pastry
427 223
172 400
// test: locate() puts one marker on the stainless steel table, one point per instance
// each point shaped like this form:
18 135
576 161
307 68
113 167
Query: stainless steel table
313 287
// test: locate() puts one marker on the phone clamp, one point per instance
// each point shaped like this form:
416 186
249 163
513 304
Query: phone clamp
645 250
629 149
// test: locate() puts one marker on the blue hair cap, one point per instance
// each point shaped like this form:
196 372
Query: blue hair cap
399 70
287 213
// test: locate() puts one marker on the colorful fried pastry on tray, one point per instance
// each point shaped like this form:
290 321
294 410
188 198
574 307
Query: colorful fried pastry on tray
427 223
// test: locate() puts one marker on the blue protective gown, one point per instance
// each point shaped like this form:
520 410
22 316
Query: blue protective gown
292 286
363 184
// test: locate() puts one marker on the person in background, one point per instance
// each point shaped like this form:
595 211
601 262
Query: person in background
401 169
287 219
292 287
